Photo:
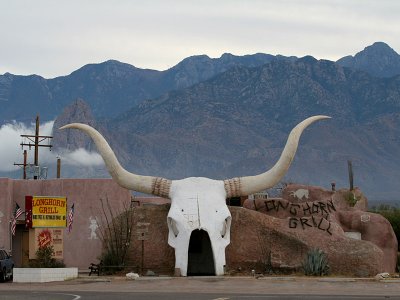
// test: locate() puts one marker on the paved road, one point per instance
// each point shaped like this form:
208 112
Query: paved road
202 288
17 295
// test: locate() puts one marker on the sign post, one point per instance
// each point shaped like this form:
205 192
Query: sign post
143 235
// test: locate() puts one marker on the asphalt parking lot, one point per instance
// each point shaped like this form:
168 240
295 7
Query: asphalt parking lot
102 287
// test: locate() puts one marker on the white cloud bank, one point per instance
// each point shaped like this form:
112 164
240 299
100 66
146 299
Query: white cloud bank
11 152
81 157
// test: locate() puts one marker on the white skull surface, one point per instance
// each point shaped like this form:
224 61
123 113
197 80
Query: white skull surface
198 204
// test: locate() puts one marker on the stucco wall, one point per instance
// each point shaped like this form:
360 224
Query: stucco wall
81 247
6 210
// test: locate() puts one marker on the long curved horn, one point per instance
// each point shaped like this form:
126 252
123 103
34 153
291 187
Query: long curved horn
243 186
146 184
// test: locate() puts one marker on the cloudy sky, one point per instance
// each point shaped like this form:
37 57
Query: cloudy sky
53 38
11 152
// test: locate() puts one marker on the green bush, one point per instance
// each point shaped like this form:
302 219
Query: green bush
45 259
316 263
351 198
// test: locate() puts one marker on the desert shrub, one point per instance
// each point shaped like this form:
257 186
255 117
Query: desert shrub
45 259
316 263
351 198
115 234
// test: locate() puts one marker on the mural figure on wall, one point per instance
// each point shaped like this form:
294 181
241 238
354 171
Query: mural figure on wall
198 205
93 227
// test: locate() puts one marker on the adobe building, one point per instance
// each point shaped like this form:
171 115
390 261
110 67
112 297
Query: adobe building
266 234
79 247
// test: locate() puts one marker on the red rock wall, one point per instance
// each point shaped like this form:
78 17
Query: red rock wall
256 238
311 212
150 233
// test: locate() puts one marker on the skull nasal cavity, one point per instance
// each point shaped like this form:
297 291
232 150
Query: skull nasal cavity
200 256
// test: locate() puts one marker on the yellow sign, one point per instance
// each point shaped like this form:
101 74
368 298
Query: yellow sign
49 211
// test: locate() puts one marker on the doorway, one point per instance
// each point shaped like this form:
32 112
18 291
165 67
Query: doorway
200 256
20 246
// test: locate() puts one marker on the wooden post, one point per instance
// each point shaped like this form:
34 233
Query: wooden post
350 167
36 161
255 205
36 158
24 164
142 266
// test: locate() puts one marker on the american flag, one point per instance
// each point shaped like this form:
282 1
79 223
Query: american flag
17 212
70 218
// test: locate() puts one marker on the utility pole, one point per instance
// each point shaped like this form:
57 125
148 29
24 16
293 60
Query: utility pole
23 164
36 140
58 167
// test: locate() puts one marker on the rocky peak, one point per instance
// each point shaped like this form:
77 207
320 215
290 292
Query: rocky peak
77 112
377 59
110 68
379 48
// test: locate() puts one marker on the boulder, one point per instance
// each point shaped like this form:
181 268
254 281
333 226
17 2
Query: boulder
132 276
336 222
260 242
380 276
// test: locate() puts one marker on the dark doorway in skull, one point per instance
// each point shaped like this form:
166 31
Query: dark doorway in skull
200 256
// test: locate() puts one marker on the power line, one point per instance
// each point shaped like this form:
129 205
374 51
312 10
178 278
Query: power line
34 141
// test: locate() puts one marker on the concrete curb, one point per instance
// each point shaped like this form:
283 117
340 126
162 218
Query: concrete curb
222 278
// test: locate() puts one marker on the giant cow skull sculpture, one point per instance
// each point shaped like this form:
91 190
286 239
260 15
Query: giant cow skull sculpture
198 203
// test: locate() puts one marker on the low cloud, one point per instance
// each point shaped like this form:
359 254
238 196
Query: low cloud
11 151
81 157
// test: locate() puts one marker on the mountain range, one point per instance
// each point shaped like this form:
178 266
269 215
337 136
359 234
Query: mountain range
230 116
110 88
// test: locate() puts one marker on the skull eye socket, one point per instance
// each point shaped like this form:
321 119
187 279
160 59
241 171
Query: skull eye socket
173 226
225 226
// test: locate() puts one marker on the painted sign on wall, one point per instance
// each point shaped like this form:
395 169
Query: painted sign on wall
42 237
46 211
